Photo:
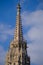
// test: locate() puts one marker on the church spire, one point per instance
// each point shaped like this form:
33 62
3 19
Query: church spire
18 30
17 53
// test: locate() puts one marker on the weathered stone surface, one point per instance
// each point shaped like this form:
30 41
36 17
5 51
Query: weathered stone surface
17 53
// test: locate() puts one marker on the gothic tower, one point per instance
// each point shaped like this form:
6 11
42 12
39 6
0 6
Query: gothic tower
17 53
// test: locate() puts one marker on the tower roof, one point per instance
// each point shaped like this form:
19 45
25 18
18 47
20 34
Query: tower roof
18 30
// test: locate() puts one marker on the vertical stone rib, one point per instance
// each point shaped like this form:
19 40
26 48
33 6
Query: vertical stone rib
18 30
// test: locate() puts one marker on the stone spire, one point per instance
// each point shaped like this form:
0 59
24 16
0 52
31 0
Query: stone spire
17 53
18 30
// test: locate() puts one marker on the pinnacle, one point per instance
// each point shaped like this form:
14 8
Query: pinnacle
18 30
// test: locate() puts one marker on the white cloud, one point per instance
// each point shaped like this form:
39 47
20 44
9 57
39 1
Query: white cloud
5 31
34 35
34 18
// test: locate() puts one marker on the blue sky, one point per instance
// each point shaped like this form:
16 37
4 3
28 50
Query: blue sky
32 16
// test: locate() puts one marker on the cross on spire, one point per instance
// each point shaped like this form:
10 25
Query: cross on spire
19 1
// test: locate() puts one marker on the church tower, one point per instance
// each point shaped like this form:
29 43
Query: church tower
17 53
